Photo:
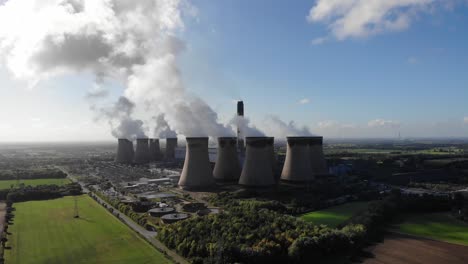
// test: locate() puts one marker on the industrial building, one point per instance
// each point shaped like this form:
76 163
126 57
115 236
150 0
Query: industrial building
258 167
142 153
297 166
124 151
196 172
227 166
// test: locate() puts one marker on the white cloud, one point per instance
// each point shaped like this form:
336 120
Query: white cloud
383 123
362 18
304 101
319 41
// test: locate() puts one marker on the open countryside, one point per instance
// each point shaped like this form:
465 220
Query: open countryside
336 215
6 184
56 237
438 226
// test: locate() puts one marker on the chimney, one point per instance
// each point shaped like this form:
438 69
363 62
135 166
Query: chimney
142 154
227 166
155 150
124 151
257 171
319 165
297 166
197 170
240 136
171 145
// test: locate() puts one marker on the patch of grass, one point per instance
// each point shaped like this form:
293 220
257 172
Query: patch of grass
335 215
46 232
438 226
6 184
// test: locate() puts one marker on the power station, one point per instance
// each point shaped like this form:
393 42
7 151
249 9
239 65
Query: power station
171 145
155 150
227 166
142 153
124 151
258 167
297 165
197 172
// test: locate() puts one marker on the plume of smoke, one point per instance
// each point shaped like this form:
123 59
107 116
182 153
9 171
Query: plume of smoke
246 129
132 41
162 129
274 126
120 120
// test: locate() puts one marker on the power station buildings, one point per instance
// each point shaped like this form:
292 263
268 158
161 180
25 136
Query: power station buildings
147 150
197 172
227 167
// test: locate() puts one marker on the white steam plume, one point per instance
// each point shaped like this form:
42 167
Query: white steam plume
162 129
134 42
274 126
246 129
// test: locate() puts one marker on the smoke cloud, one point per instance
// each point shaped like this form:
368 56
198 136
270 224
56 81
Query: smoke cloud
245 128
134 42
162 129
274 126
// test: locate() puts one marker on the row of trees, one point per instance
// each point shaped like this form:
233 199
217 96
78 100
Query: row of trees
37 173
40 192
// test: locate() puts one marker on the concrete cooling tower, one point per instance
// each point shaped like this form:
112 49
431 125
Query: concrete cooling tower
196 173
297 165
227 166
318 162
257 171
124 151
155 150
274 163
171 145
142 153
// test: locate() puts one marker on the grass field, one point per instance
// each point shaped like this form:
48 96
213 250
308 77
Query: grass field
335 215
438 226
46 232
6 184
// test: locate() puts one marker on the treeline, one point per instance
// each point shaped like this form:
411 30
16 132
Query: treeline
249 233
28 174
40 192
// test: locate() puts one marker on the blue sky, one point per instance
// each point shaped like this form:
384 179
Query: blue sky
413 79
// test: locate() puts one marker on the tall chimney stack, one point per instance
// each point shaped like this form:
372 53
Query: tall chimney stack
257 171
155 150
142 154
124 151
171 145
297 166
318 162
240 135
197 170
227 166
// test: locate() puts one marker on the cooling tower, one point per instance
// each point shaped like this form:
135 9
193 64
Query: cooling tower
271 149
197 170
297 166
142 153
319 165
155 150
227 166
124 151
257 171
171 144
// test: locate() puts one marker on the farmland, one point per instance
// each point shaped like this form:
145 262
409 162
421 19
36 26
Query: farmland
46 232
335 215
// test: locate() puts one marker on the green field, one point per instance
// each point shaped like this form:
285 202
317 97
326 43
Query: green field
438 226
46 232
335 215
6 184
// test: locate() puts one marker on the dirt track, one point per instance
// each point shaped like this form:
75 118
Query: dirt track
399 248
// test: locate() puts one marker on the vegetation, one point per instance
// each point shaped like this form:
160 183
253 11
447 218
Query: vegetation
37 173
335 215
7 184
46 232
440 226
41 192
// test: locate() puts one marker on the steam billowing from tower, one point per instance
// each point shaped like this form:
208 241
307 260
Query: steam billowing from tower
197 171
227 167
